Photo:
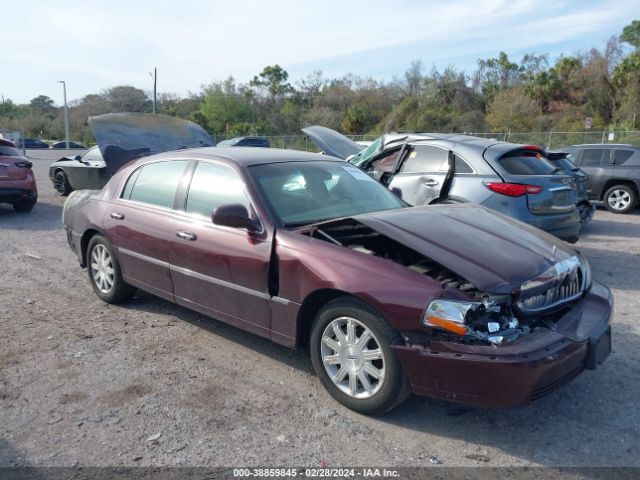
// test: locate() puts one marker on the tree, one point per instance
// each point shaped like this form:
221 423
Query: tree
126 98
272 79
413 78
631 34
42 104
512 109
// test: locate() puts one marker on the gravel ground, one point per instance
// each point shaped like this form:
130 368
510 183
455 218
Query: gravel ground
150 383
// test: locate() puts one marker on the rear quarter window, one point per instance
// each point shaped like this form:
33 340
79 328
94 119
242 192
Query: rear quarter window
526 162
621 156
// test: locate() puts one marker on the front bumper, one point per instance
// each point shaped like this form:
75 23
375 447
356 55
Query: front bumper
519 372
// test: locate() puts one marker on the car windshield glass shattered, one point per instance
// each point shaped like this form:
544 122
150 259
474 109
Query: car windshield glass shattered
362 156
303 193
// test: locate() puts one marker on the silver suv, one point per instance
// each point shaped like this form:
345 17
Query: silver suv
429 168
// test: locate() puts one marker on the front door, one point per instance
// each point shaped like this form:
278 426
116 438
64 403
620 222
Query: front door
421 175
220 271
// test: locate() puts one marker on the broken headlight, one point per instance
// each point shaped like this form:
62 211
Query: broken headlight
490 320
450 315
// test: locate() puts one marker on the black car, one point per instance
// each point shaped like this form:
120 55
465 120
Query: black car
73 145
31 143
77 173
613 172
584 206
245 142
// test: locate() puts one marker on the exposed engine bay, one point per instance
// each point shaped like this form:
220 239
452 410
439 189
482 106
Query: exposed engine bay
479 317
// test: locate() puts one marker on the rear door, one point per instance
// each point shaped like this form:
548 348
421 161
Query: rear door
556 192
422 174
596 163
138 225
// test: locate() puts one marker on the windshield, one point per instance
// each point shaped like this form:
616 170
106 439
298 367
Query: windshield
7 151
363 155
303 193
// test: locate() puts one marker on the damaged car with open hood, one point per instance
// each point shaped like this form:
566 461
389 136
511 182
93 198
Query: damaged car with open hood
455 302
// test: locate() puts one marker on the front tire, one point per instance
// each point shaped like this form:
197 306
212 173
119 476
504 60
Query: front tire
104 272
351 353
620 199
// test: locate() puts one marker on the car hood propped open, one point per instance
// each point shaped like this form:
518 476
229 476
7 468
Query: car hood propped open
123 137
459 237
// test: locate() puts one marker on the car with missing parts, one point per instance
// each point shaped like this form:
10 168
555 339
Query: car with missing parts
455 302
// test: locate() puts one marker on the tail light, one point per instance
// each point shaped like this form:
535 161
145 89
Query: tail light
513 189
24 164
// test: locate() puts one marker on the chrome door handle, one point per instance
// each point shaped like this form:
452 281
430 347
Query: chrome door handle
429 182
186 235
117 216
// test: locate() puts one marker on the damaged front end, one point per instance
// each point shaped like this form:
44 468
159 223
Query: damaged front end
464 313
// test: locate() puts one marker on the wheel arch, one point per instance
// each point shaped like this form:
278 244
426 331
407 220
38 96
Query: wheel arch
84 244
311 305
612 182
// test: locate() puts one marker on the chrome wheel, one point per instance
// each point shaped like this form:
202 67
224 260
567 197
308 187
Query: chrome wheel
619 199
353 358
102 268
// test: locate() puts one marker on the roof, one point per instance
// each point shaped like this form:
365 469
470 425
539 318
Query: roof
255 155
604 145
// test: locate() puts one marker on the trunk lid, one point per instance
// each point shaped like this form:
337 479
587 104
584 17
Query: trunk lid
491 250
527 165
10 171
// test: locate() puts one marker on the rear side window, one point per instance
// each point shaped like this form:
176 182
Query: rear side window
622 156
593 156
526 162
212 186
426 159
155 183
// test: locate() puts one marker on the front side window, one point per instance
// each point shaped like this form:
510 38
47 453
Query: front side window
426 159
212 186
155 183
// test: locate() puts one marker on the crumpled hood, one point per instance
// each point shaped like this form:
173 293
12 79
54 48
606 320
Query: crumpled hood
123 137
331 142
491 250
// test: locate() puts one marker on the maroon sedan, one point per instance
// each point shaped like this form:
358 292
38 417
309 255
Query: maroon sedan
453 301
17 183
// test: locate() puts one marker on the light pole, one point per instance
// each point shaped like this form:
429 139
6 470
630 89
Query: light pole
155 81
66 114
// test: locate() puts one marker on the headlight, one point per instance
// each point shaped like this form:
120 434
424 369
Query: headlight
450 315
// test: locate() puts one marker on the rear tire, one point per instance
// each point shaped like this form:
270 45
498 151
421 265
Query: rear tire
24 206
104 272
351 352
620 199
61 183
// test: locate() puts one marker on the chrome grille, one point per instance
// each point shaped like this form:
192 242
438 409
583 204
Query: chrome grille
563 282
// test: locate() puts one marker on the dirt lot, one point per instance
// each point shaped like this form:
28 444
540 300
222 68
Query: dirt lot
151 383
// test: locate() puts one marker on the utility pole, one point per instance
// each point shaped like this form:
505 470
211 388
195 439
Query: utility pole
66 114
155 82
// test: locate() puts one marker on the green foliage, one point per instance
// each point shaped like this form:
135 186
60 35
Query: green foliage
501 94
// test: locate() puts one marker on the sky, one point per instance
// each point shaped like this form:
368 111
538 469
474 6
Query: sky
93 44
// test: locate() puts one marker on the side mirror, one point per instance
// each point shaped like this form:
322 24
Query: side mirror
234 215
397 192
77 157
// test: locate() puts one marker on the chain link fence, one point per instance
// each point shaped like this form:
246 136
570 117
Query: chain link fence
547 140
